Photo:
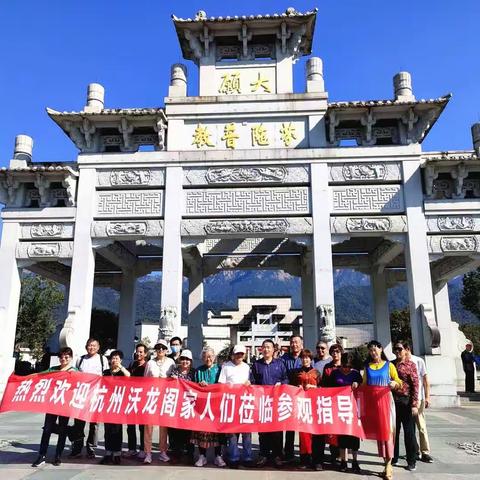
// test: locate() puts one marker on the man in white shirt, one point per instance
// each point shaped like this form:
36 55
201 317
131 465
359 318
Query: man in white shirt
424 399
94 363
322 357
237 372
159 367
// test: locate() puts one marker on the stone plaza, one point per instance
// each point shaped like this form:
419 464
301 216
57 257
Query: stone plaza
248 174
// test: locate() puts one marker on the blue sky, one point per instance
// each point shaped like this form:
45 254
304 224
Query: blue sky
51 50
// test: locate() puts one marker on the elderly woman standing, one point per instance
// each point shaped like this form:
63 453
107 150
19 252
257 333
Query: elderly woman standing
180 438
382 373
205 375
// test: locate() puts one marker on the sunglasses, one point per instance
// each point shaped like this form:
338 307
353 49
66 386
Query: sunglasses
398 349
335 351
321 348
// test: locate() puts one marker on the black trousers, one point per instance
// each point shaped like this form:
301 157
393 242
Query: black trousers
318 449
470 381
49 427
132 437
271 443
405 418
289 448
79 433
113 437
180 442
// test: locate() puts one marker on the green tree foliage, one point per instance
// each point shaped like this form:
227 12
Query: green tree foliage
400 325
471 292
472 332
104 327
38 300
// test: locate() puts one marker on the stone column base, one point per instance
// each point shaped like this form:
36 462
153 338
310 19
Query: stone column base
7 366
442 375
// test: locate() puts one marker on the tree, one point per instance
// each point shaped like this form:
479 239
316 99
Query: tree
39 299
471 292
472 332
400 325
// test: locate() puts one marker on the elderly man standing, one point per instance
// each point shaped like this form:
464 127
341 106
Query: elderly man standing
423 450
292 363
237 372
94 363
322 357
269 371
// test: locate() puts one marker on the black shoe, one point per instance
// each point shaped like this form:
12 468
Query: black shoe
106 460
333 460
289 459
57 461
278 462
411 467
75 454
261 461
233 465
426 458
90 454
249 464
39 461
343 466
117 460
356 467
394 461
318 467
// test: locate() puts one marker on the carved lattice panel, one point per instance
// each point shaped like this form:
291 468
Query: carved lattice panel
384 198
130 203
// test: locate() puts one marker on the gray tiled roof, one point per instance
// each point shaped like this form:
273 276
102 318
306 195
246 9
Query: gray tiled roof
41 168
380 103
110 111
451 156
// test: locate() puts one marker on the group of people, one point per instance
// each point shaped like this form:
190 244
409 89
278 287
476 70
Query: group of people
330 366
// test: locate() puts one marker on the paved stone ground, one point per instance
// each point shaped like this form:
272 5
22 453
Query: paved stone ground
20 435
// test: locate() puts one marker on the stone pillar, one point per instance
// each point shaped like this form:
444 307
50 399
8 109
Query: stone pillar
381 312
9 299
76 329
172 267
126 318
195 309
417 259
314 68
309 317
322 266
95 98
178 81
402 84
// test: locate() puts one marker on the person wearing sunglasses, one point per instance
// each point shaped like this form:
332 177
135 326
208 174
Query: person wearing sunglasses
406 404
322 357
160 366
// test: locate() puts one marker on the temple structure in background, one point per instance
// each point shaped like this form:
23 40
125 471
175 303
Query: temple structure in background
248 174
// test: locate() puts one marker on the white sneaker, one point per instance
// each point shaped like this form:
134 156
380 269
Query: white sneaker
219 461
201 462
141 455
163 457
148 458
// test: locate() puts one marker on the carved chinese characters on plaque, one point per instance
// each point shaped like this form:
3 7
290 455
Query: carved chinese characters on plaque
246 226
245 81
385 198
130 203
256 201
130 177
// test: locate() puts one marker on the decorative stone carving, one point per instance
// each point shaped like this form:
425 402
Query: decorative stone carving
128 228
373 224
458 244
250 226
455 223
251 261
130 177
46 230
364 171
168 316
217 246
257 201
385 198
291 225
130 203
246 174
428 315
44 250
326 323
67 333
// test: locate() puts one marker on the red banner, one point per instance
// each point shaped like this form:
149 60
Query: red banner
217 408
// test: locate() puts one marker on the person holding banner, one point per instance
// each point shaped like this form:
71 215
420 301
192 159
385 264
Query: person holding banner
65 357
206 375
269 371
382 373
236 371
92 362
159 367
180 438
113 431
306 377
